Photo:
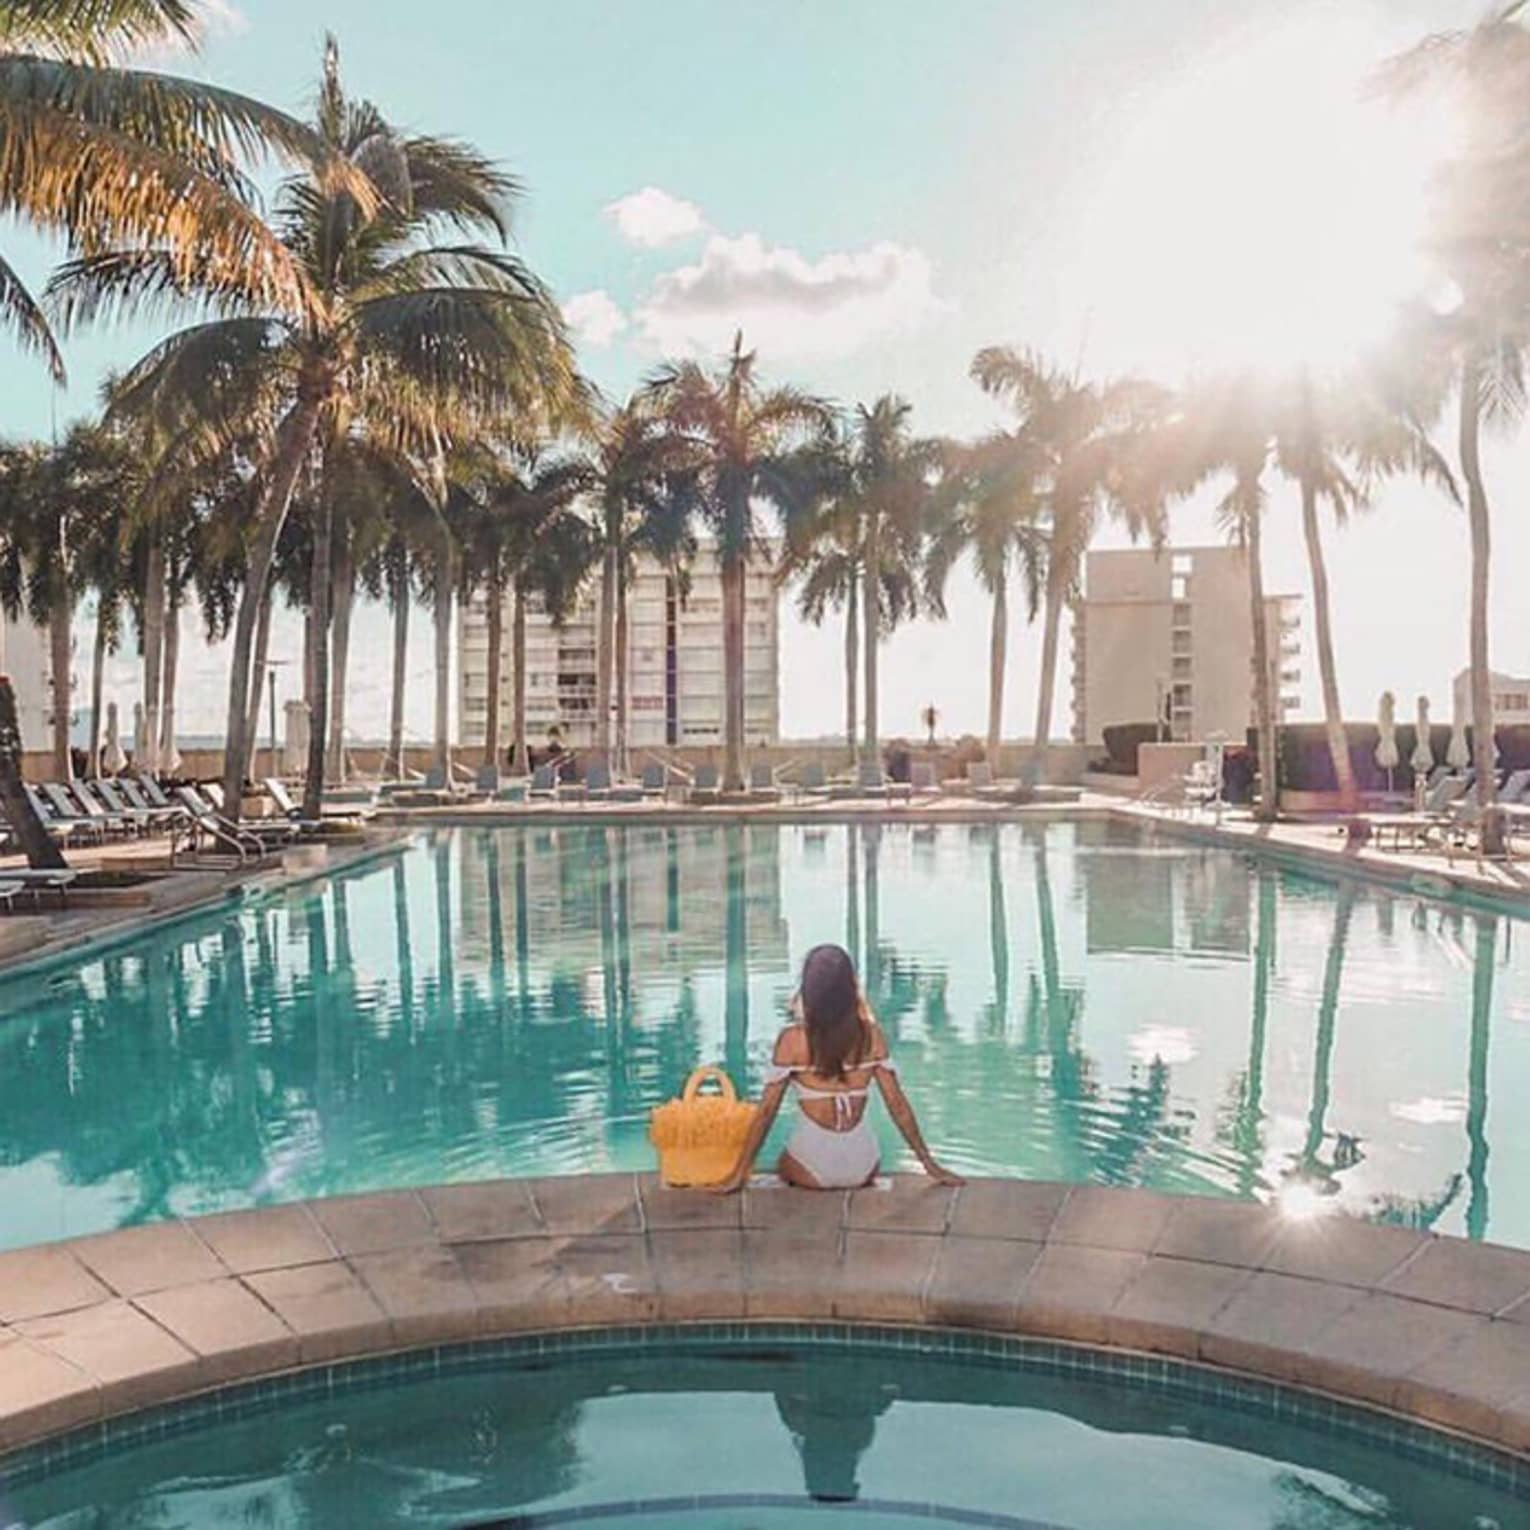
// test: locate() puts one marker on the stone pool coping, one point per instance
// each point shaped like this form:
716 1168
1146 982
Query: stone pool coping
1414 1323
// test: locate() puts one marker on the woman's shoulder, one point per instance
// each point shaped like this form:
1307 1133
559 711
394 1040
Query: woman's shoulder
791 1047
876 1043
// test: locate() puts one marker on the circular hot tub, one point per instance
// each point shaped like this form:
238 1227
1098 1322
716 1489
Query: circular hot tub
766 1426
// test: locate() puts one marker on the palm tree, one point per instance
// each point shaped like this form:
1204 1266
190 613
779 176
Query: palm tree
1477 232
643 508
522 536
1334 438
738 437
1074 437
992 510
869 497
823 551
104 155
390 325
1224 428
42 519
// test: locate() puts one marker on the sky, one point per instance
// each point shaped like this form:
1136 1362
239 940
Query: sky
873 189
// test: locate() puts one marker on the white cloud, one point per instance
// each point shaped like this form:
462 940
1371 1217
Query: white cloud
594 317
652 217
212 20
787 303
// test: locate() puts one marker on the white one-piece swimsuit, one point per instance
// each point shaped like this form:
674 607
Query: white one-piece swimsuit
842 1156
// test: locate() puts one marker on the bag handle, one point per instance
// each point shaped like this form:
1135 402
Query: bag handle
701 1075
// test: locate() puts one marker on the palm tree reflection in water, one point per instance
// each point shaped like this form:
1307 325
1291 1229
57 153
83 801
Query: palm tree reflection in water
320 1042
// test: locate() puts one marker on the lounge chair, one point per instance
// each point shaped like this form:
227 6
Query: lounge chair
544 782
486 780
704 784
869 782
8 892
922 778
762 783
151 819
979 777
1414 830
36 883
258 833
290 810
63 826
597 781
167 812
67 805
151 789
512 791
572 789
435 780
811 780
655 780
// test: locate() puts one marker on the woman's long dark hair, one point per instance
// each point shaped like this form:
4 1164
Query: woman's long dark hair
833 1013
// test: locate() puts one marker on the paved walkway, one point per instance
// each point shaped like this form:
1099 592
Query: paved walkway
1423 1325
1325 846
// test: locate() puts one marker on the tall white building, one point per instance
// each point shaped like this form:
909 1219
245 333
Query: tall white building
674 664
1511 698
24 656
1167 635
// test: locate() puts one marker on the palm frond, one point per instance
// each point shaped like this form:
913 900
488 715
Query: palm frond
27 321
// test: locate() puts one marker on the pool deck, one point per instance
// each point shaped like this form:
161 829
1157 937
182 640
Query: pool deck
1413 1323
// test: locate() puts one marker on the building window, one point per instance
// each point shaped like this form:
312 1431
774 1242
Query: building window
1180 643
1512 701
1182 563
1181 668
1181 613
1179 587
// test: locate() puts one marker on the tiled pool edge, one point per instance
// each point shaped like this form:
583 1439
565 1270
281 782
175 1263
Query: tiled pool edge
1418 1325
1245 1395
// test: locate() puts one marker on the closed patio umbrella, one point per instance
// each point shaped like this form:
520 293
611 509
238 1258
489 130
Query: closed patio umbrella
1422 758
1387 756
112 757
1458 754
140 737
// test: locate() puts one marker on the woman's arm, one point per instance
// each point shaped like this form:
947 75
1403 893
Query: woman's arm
907 1122
759 1130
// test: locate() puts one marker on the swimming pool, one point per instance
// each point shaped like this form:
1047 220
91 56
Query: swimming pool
769 1429
1067 1000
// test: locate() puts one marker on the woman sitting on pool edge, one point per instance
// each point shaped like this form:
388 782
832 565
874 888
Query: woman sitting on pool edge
831 1055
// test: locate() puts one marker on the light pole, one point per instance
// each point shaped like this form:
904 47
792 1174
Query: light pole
272 665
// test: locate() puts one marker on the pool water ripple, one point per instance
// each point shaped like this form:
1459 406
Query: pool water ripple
1066 1000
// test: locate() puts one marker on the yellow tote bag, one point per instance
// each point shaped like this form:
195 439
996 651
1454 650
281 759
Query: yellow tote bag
699 1135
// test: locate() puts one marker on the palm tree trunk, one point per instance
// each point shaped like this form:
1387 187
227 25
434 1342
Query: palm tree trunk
172 664
41 852
97 681
1264 702
294 439
496 614
1057 583
622 765
344 588
1333 713
400 594
998 644
852 660
61 657
521 761
258 687
870 614
605 645
733 671
1492 835
319 594
443 621
153 650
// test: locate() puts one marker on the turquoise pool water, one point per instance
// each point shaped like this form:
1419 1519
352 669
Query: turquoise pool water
1066 1000
770 1434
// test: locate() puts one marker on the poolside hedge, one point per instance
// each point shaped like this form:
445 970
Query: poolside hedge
1306 765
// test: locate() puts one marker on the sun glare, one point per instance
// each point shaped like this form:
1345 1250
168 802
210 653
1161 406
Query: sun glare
1262 209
